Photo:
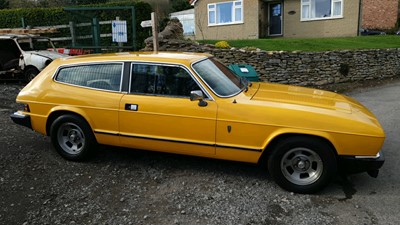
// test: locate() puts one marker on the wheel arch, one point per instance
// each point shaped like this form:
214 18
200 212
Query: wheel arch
30 66
57 112
286 135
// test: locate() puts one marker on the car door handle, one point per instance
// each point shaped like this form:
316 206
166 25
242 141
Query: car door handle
131 107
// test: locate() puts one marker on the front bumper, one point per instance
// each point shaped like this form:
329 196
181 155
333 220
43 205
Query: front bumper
21 119
358 164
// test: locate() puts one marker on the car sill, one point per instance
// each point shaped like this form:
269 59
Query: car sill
179 141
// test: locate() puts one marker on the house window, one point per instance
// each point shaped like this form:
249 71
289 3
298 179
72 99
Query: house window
187 21
321 9
225 13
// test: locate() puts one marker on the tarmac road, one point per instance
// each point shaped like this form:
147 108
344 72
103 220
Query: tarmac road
382 196
122 186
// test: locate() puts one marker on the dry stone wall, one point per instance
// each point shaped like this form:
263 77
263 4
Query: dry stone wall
303 68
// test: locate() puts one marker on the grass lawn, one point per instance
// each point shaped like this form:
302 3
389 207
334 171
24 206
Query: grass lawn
318 44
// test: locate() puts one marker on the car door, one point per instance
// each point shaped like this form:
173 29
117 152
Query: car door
157 113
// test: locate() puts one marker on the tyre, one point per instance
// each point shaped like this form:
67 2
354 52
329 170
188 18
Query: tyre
72 137
30 73
302 164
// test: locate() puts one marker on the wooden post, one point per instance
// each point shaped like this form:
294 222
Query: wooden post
154 26
23 22
96 34
73 34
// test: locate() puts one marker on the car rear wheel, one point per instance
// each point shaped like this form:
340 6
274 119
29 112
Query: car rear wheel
72 137
302 164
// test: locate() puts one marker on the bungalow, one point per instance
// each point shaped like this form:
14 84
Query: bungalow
253 19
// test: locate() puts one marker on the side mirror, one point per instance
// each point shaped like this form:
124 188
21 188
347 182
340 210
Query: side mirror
198 95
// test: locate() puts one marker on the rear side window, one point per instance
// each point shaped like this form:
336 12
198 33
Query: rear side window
98 76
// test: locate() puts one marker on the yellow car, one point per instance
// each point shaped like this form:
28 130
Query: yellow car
189 103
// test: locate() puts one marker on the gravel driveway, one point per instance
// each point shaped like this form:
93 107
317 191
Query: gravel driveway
121 186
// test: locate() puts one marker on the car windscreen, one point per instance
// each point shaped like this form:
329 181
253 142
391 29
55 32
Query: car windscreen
221 80
35 44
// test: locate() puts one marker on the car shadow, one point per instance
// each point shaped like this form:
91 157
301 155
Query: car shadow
125 157
340 188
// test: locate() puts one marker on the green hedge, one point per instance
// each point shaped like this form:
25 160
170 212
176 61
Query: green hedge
11 18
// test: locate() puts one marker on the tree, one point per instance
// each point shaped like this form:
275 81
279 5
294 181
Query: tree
87 2
49 3
179 5
4 4
199 21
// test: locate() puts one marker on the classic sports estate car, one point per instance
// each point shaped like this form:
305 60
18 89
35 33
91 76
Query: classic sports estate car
189 103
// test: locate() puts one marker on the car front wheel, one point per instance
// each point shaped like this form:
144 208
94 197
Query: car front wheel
30 73
72 137
302 164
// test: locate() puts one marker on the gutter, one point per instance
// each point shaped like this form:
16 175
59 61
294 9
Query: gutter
360 14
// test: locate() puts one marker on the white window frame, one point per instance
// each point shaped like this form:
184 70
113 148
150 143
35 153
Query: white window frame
233 13
309 4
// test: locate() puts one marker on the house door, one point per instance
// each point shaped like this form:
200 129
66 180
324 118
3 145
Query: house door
275 19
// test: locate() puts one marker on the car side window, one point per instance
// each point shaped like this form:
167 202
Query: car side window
162 80
98 76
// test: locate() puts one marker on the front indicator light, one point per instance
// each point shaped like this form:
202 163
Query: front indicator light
23 107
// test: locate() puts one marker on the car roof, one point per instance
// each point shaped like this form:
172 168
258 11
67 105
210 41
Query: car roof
160 57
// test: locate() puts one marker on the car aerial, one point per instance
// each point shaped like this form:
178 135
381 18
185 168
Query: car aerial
190 103
25 55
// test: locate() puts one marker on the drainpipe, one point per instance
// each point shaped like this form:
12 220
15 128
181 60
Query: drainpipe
360 14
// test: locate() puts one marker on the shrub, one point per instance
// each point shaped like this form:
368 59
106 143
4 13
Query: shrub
222 44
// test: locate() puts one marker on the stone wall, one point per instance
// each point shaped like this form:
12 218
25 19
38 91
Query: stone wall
303 68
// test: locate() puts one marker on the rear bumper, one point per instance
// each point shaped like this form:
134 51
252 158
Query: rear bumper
358 164
21 119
